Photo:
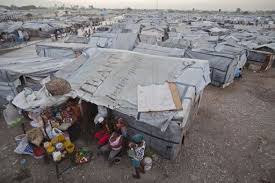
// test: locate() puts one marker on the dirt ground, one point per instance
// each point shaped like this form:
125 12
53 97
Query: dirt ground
232 140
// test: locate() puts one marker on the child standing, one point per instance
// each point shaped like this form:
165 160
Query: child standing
136 154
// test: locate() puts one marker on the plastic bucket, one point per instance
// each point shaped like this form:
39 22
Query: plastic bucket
147 163
18 138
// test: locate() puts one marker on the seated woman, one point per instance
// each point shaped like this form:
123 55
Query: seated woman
104 133
114 147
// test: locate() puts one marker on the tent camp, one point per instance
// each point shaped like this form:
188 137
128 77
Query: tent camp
122 80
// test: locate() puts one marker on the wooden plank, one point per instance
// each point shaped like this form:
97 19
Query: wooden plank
175 95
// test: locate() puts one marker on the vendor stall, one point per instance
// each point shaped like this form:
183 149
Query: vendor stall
51 127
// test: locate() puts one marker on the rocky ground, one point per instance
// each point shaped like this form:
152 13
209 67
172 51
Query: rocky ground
232 140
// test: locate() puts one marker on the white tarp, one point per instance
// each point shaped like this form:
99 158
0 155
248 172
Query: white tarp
155 98
29 100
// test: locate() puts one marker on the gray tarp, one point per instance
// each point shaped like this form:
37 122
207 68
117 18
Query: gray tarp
223 66
123 41
158 50
59 50
11 68
10 26
77 39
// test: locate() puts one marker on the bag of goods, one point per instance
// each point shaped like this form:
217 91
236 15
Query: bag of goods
24 147
38 152
147 161
58 87
50 149
57 156
12 116
69 146
35 136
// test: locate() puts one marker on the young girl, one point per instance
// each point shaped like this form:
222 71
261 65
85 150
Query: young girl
136 154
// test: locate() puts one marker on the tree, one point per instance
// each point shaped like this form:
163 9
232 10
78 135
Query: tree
238 10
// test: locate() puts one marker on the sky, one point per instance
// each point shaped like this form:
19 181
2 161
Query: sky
153 4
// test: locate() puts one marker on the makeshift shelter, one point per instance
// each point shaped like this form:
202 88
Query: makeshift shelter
15 71
112 78
158 50
77 39
266 47
123 41
222 66
60 50
260 60
37 29
175 42
235 50
151 35
217 31
9 27
126 28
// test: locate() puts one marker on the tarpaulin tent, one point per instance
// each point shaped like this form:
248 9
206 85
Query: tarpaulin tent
33 67
222 66
158 50
59 50
77 39
37 29
9 27
111 77
123 41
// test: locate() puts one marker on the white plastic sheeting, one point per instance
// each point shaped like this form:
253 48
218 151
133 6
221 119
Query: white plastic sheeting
37 99
110 78
155 98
